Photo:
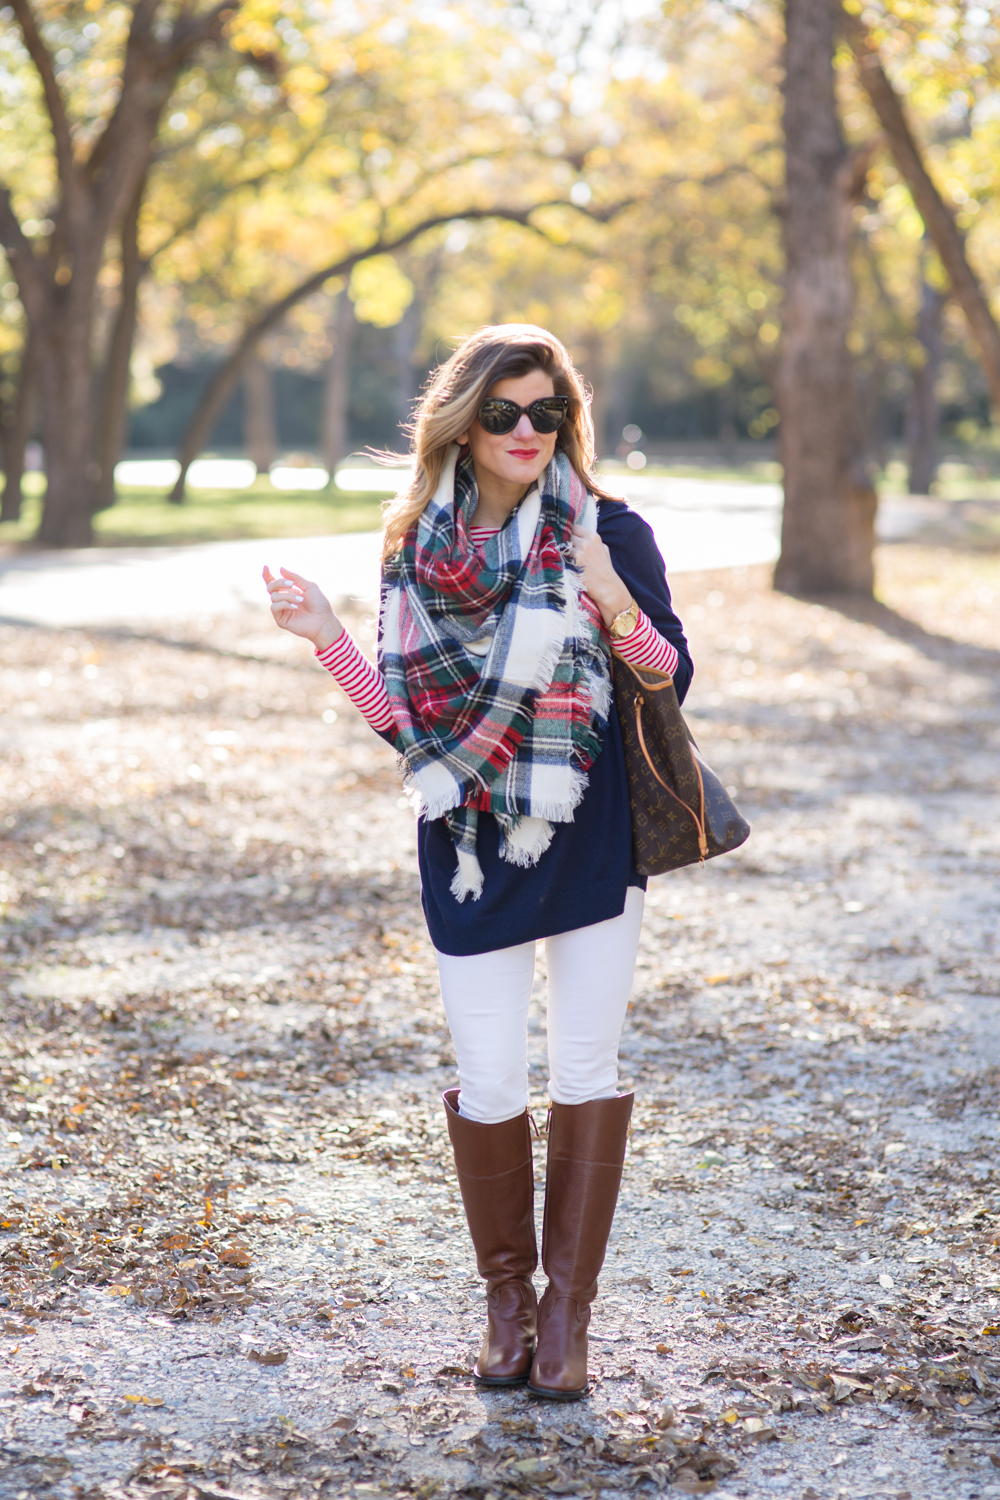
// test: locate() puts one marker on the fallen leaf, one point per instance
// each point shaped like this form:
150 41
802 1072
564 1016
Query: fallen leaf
711 1159
863 1345
688 1481
267 1356
538 1469
236 1255
758 1429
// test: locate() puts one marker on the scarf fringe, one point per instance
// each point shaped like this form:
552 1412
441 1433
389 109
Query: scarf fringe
600 693
580 628
577 618
551 809
468 877
525 843
430 808
548 661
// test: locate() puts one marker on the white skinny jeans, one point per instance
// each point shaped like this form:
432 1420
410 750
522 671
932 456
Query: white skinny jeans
486 999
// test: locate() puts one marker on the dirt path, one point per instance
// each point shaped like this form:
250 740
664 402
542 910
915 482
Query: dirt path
232 1256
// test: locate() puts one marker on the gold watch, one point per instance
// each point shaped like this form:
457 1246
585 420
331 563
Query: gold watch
624 623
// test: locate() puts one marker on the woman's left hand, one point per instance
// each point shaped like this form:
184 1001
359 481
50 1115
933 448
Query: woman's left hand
600 580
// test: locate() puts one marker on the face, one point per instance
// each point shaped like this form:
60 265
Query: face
516 457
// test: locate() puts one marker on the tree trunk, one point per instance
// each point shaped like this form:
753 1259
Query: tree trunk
923 412
595 369
66 391
334 438
609 425
726 418
114 385
938 218
827 532
260 428
404 343
15 430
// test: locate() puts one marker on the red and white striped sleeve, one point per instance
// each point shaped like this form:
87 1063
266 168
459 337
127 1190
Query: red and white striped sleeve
361 680
646 647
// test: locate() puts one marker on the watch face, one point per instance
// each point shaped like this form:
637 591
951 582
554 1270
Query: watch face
624 625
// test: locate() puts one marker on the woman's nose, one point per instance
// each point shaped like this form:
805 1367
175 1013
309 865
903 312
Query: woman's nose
524 428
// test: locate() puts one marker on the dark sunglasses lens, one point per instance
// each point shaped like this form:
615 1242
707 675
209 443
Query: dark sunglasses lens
547 415
498 417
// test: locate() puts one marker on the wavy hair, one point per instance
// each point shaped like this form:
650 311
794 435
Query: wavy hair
454 395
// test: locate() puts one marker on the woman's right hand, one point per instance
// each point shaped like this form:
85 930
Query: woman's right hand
302 607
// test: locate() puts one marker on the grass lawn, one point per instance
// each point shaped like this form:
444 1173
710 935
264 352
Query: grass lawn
146 518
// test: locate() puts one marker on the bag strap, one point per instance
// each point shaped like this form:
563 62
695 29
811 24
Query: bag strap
699 821
652 687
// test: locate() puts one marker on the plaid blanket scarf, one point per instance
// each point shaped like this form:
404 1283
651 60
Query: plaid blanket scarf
495 665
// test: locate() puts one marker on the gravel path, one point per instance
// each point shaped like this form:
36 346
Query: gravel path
232 1255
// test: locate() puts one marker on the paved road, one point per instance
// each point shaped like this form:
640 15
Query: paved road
698 524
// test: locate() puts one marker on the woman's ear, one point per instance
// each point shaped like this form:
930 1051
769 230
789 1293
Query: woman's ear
462 439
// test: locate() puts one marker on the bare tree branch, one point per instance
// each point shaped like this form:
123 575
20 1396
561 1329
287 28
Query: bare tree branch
20 252
948 240
148 76
54 103
190 32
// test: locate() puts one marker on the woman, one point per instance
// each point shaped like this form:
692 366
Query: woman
508 575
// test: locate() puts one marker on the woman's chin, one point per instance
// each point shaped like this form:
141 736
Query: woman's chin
524 470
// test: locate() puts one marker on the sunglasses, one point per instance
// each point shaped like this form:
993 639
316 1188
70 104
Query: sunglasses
497 416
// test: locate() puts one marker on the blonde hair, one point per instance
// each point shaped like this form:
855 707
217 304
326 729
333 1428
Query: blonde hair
454 395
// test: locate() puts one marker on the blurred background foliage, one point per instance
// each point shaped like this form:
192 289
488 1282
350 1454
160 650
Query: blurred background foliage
642 145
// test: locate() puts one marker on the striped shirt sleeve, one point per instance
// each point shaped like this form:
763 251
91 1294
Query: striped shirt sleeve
646 647
361 680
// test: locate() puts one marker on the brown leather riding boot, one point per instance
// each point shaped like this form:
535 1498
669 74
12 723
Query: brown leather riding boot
586 1152
496 1175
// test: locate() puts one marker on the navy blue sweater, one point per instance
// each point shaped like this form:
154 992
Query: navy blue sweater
583 875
